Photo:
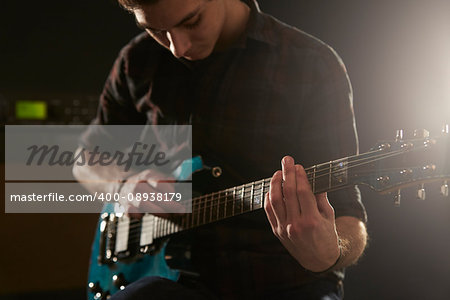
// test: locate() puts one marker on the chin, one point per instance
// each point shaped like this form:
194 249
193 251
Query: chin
198 55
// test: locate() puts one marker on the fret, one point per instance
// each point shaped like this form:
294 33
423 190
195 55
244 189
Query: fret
329 173
242 198
229 203
211 208
237 201
204 208
261 194
194 212
314 179
257 195
251 196
234 201
218 207
225 204
198 211
202 213
322 178
246 198
266 186
220 214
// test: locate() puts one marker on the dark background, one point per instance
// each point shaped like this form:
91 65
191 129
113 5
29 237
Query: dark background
397 54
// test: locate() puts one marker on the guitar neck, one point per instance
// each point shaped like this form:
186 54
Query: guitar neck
387 168
249 197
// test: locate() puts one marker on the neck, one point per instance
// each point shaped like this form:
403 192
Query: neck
237 15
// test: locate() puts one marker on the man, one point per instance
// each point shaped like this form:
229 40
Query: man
253 89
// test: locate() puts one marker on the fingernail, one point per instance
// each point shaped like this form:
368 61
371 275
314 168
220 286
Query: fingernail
287 160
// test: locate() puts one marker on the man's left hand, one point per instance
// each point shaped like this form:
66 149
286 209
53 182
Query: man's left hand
302 221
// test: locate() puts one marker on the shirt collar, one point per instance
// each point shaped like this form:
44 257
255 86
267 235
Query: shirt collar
257 26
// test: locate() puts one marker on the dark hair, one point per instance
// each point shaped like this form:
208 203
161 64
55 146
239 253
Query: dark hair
132 4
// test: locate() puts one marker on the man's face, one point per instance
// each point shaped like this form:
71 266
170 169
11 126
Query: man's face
188 28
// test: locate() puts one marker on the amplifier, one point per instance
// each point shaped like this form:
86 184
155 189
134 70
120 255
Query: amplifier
53 111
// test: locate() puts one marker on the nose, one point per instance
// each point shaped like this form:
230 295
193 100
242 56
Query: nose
179 42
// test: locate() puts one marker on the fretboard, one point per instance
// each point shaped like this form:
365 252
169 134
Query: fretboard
246 198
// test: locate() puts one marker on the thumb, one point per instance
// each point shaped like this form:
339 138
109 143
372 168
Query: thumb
324 206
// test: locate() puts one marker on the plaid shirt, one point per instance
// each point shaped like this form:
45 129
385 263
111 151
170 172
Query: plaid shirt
277 91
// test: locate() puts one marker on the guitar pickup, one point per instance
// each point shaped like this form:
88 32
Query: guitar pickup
107 236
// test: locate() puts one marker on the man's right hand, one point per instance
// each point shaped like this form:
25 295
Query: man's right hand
146 182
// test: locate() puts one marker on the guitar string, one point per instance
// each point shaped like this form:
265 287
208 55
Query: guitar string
240 191
242 197
166 224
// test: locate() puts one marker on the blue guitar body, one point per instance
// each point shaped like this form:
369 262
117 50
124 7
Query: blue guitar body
106 277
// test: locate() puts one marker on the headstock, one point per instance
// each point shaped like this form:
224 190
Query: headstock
405 161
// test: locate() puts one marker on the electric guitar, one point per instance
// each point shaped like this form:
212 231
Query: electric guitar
125 250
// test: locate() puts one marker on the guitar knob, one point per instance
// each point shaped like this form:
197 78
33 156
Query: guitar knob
397 198
444 189
216 171
95 289
119 281
98 296
421 193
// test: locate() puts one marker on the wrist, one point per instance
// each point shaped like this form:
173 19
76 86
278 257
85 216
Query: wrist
331 268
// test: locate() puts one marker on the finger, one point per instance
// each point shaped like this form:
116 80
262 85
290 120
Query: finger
290 188
324 205
308 204
269 212
276 198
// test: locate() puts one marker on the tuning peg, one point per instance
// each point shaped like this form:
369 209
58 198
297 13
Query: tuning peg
399 135
444 189
421 133
421 193
446 129
397 198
